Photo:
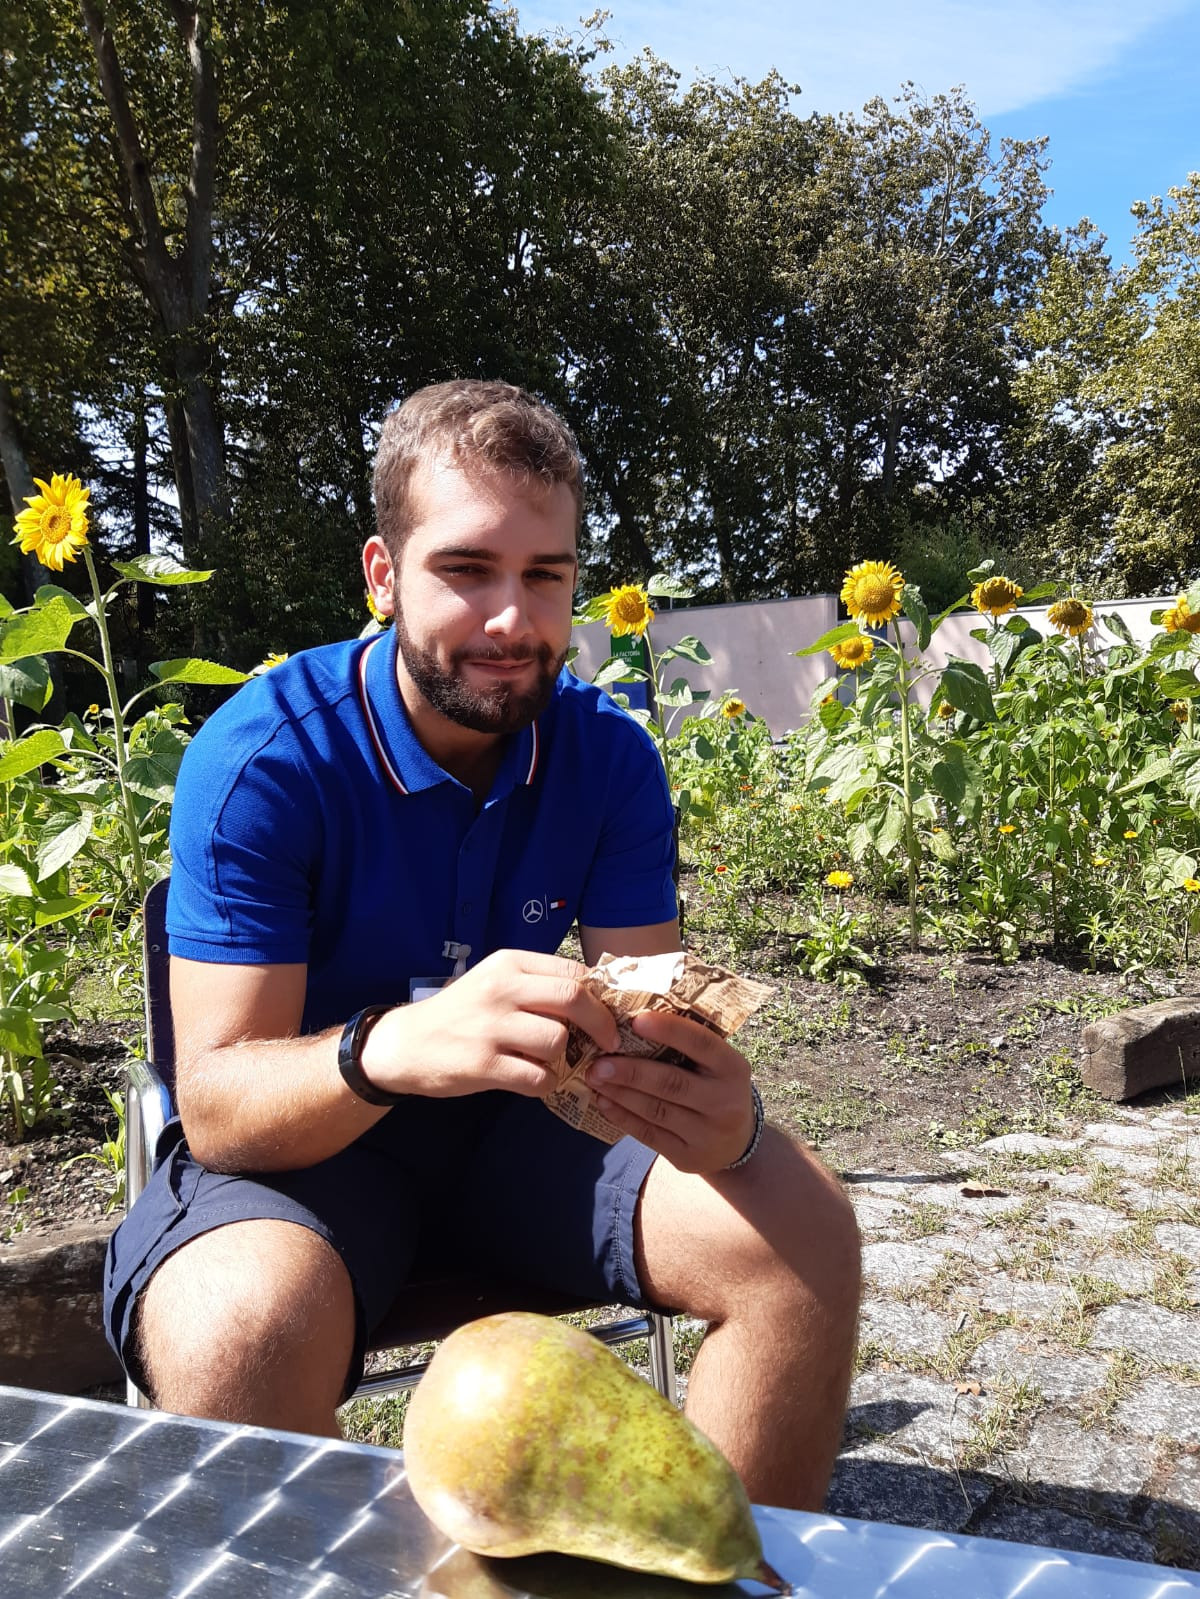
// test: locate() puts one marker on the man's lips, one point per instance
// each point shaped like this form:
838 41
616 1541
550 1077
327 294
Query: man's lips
503 667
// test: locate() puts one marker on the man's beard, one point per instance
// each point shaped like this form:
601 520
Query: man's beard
498 709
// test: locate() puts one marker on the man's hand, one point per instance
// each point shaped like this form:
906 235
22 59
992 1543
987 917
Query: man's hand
701 1119
497 1026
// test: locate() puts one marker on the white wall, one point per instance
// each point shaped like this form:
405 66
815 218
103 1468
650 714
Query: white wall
751 645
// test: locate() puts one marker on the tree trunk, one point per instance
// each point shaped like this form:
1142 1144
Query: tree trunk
177 287
19 477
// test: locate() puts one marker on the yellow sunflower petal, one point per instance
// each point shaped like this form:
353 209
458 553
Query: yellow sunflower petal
627 610
871 592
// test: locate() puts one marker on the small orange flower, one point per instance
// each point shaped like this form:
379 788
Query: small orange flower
840 880
1006 827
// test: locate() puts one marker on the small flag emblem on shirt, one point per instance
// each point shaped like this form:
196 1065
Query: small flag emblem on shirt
558 904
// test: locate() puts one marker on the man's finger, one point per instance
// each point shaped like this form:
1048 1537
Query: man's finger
708 1050
654 1079
657 1135
566 999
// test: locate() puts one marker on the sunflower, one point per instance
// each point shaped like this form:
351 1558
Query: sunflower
852 653
840 880
1181 618
1179 710
1071 616
945 710
273 659
627 610
733 709
995 595
54 525
871 592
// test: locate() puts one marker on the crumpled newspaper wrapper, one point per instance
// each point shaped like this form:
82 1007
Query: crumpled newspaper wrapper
629 984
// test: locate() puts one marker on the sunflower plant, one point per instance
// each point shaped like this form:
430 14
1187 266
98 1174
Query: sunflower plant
877 757
76 851
627 612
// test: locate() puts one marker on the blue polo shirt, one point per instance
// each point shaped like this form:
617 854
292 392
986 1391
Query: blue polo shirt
310 826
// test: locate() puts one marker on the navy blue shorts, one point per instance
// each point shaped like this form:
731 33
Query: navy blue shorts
492 1183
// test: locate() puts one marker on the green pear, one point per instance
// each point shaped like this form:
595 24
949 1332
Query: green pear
527 1435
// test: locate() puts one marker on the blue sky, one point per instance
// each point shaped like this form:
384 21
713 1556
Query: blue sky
1114 83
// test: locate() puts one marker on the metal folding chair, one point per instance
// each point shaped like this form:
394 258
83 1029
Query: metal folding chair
423 1311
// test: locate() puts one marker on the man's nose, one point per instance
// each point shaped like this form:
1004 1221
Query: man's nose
509 613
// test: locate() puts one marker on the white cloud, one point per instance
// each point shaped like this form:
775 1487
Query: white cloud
1008 53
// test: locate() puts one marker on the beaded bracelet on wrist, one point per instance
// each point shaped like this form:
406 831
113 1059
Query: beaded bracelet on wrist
756 1136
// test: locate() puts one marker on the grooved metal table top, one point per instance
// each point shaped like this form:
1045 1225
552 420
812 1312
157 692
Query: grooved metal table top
99 1500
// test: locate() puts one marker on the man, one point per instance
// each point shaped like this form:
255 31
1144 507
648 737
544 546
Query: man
352 830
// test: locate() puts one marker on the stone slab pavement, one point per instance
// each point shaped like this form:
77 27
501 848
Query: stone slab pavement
1029 1349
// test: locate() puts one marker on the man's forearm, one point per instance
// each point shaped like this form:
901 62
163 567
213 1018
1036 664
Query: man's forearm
270 1104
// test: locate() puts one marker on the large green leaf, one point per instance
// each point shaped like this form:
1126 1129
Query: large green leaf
679 694
965 686
27 683
690 649
15 880
1117 625
1005 643
958 779
888 829
19 1032
58 910
1159 769
191 669
61 845
915 609
662 586
164 571
31 752
1179 684
616 670
835 635
39 632
153 776
55 591
1184 763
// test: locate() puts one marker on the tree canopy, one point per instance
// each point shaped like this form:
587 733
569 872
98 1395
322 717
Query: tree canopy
232 236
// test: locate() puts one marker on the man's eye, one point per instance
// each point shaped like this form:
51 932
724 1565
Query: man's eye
546 576
462 571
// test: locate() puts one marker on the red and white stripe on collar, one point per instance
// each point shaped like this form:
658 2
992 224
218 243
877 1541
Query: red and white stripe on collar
381 749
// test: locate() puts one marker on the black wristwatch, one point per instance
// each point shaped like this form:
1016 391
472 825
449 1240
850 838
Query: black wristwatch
350 1065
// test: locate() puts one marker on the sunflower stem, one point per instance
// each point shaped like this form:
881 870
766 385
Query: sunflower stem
108 672
1053 791
906 770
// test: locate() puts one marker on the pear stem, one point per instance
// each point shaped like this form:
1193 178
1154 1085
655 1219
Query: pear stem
770 1578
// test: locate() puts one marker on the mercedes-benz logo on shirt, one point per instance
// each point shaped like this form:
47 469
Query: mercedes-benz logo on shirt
533 910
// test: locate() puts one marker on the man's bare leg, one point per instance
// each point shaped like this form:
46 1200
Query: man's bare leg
252 1322
770 1258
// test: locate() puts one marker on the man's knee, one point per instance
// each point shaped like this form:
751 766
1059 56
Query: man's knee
239 1303
781 1231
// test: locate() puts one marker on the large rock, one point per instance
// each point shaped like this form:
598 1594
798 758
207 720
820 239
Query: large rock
1152 1046
51 1331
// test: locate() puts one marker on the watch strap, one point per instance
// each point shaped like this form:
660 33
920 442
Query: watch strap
350 1046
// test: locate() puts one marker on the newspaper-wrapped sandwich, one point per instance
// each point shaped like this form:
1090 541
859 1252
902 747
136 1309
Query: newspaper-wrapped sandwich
629 984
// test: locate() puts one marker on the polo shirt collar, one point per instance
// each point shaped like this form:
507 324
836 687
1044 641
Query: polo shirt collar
406 763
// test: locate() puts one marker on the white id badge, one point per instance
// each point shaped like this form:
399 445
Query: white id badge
425 987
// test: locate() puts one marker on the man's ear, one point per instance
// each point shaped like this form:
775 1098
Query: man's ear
377 569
